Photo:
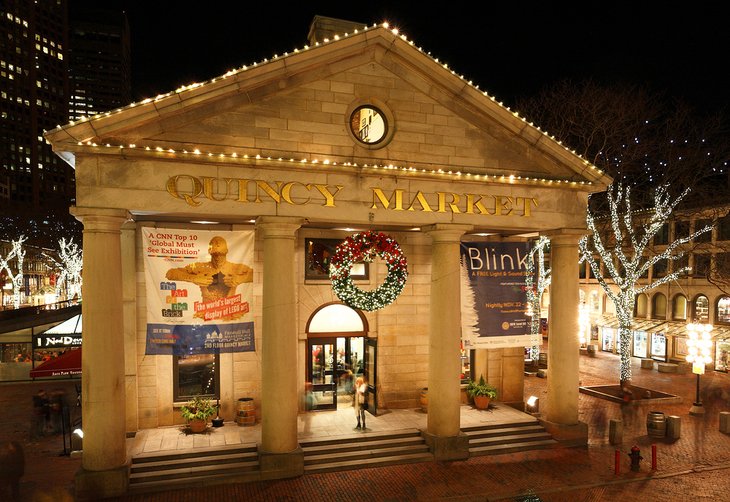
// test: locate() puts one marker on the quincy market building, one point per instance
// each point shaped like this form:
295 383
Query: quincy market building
281 159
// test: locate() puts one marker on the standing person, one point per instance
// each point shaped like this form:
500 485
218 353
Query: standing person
40 412
361 401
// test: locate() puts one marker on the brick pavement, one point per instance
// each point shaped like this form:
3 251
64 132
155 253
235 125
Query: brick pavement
688 469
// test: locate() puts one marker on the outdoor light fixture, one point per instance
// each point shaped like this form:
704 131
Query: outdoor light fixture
698 347
77 437
533 404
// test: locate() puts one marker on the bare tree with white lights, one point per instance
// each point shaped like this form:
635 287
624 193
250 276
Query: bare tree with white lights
70 264
623 251
16 253
535 290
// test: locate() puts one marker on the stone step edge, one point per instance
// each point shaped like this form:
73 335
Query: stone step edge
373 462
513 447
153 456
178 472
367 454
359 437
194 461
362 445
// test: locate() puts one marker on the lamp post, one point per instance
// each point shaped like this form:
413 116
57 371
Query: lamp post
698 345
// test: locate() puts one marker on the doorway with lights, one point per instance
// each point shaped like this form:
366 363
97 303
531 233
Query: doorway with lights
338 351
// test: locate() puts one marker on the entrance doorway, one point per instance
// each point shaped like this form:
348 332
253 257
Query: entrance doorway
333 366
338 351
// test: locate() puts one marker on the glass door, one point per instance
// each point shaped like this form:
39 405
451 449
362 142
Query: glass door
321 372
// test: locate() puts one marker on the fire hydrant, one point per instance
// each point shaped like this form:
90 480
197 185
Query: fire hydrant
635 458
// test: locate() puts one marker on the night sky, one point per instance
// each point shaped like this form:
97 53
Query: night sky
509 51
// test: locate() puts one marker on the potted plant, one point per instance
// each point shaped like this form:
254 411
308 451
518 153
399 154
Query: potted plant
197 411
481 392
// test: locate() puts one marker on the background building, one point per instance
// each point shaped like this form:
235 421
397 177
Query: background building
99 63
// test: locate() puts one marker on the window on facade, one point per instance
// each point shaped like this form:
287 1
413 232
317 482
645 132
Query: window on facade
662 236
659 306
701 265
681 229
679 308
659 269
723 228
723 310
701 311
722 265
195 375
706 236
642 302
582 270
681 263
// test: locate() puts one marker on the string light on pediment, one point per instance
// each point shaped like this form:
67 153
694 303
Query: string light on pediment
385 25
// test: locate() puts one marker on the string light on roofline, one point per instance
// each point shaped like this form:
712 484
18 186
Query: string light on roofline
385 25
168 151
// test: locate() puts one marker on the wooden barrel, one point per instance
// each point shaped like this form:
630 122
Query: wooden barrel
424 399
246 415
656 424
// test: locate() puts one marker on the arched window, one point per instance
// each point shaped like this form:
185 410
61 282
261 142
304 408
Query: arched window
641 307
595 307
679 308
701 310
723 309
659 306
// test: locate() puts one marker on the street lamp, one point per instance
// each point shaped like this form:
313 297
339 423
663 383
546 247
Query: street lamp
698 346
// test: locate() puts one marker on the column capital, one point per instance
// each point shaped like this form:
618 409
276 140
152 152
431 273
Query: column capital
565 236
446 232
100 219
278 226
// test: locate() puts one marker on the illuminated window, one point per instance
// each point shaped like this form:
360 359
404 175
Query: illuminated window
195 375
368 124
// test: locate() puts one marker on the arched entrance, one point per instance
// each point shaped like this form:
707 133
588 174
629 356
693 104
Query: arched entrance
338 351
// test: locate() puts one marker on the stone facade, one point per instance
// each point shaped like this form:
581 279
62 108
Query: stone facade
269 148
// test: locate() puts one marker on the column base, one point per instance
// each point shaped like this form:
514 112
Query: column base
447 447
567 435
96 485
281 465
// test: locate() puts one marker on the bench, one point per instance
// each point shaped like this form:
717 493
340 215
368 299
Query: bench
647 364
667 367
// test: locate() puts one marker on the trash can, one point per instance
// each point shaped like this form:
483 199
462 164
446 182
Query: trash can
656 424
246 412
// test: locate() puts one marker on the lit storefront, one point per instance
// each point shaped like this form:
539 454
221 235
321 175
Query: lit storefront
292 156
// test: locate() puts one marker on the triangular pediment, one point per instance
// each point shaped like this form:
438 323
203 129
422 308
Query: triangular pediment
297 106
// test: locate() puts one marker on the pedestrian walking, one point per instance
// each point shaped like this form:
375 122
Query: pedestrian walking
360 403
41 412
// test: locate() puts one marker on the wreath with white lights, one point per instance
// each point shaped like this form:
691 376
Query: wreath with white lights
365 247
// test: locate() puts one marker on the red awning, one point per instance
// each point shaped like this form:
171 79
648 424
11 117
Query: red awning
66 364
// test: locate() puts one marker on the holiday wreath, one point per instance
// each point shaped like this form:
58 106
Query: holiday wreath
365 247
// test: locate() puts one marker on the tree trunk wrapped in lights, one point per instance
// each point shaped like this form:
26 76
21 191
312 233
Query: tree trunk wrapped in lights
535 291
628 259
16 279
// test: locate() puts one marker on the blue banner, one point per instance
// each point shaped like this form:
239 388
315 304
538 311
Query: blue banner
494 299
186 340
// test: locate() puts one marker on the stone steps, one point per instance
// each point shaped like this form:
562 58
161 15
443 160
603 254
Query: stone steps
363 450
508 438
193 467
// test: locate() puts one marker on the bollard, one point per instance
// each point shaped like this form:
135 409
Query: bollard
615 431
725 422
617 462
653 457
674 428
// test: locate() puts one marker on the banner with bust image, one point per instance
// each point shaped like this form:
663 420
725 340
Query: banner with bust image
199 286
493 295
